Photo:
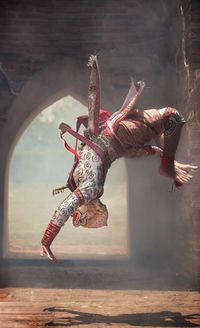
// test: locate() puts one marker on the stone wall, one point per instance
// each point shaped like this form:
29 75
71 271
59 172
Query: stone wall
128 39
186 65
132 38
193 130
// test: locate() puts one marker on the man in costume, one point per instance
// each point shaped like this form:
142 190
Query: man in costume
106 138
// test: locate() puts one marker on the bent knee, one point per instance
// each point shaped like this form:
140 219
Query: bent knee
171 119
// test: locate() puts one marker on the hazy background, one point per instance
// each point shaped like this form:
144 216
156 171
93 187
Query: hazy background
39 164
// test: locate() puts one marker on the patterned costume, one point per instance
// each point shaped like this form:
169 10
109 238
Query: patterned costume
106 138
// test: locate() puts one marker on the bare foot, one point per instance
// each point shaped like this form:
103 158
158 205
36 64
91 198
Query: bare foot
186 167
47 251
178 172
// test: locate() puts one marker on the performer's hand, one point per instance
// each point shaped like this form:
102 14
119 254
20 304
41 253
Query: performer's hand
47 251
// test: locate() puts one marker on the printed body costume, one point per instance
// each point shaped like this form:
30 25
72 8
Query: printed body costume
124 134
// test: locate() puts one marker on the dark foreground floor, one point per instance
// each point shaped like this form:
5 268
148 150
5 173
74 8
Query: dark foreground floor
74 296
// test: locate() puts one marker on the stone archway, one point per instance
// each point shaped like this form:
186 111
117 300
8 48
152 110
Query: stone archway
68 77
58 80
40 163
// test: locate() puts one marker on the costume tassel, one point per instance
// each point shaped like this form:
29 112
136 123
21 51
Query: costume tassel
91 60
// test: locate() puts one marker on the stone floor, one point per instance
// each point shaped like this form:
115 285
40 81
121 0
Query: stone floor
54 296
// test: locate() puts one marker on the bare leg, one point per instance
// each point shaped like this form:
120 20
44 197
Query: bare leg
169 167
171 143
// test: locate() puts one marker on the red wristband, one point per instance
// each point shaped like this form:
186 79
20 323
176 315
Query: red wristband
50 233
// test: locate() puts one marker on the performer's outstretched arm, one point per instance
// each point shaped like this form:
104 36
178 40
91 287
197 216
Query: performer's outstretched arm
61 215
88 176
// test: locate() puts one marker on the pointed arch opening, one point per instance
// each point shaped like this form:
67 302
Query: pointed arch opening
40 163
66 78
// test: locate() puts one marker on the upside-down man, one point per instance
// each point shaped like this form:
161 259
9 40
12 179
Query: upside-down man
124 134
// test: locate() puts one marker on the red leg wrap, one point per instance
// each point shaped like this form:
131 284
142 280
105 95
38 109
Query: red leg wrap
50 233
79 195
166 160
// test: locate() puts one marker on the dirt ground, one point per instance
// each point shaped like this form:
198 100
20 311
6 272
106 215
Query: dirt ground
82 296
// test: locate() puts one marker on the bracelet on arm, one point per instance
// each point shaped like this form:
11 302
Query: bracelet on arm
50 233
